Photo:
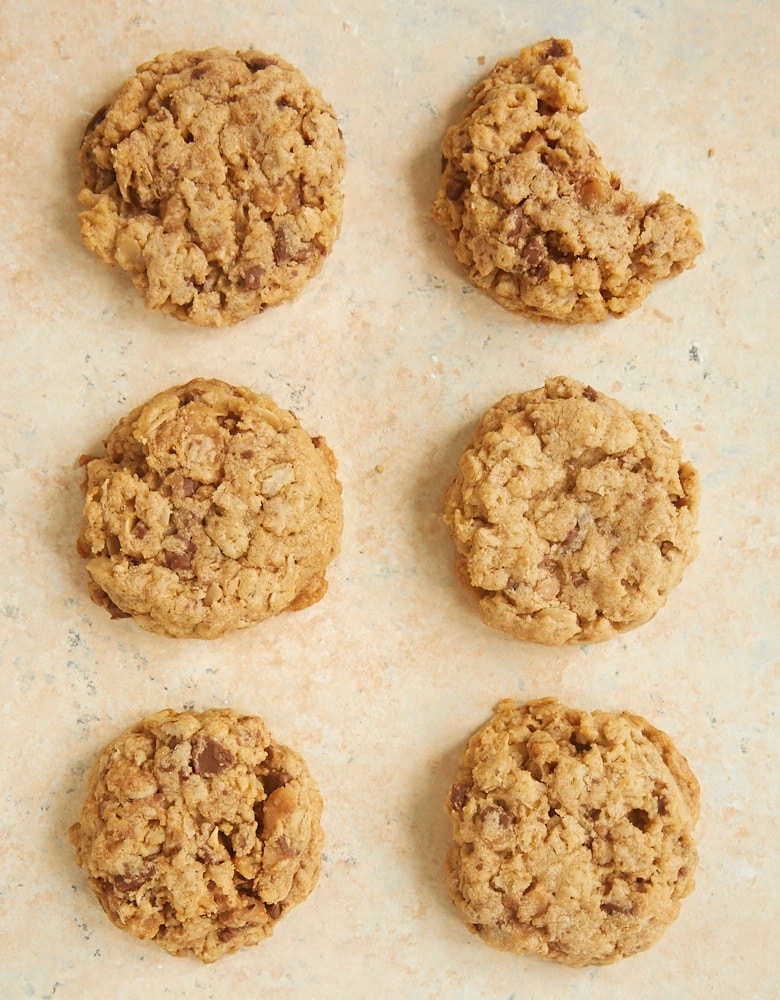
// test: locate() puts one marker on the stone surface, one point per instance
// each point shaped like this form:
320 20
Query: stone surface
392 356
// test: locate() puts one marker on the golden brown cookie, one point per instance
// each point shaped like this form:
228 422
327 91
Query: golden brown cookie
573 516
211 510
572 833
532 212
213 178
199 832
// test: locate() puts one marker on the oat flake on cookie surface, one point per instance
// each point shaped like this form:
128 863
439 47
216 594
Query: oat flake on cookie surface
199 832
572 833
532 212
211 510
213 179
573 517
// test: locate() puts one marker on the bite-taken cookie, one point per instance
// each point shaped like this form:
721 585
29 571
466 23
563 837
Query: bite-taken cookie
213 179
211 510
532 212
572 833
199 832
573 516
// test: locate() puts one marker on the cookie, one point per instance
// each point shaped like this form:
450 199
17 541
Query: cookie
573 517
572 833
532 212
211 510
213 179
199 832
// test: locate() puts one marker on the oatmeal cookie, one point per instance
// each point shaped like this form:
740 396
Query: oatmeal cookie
573 516
532 212
213 178
211 510
199 832
572 833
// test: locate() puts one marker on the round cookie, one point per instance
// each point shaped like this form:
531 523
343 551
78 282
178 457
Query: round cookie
199 832
572 833
211 510
573 516
213 179
530 209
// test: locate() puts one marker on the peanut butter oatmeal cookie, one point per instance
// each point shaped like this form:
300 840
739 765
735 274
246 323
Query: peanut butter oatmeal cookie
213 179
530 209
199 832
573 833
573 516
211 510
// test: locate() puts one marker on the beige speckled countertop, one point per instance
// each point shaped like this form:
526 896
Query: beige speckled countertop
392 356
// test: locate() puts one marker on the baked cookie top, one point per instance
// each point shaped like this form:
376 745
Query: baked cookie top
211 510
199 832
573 516
532 212
572 833
213 179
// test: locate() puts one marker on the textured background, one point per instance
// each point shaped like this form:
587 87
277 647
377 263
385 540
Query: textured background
392 356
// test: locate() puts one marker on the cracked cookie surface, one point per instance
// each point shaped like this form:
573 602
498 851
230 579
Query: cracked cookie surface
211 510
213 179
572 833
199 832
573 517
532 212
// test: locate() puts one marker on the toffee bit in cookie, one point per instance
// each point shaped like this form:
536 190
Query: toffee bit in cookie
212 510
573 517
176 855
213 178
532 212
571 861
